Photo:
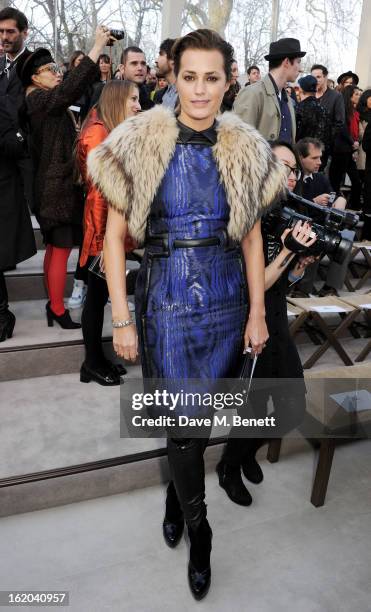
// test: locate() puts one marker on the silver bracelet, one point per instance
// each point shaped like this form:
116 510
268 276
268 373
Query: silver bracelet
118 324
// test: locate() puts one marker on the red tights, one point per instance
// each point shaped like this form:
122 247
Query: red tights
55 273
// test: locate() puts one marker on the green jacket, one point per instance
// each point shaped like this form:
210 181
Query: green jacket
258 105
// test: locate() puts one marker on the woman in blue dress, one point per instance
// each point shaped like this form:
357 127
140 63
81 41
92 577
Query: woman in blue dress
191 189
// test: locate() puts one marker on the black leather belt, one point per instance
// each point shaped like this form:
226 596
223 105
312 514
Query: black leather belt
183 244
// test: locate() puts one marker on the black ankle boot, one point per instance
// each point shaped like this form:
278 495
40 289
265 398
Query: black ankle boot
7 323
252 470
199 571
173 525
64 320
7 318
231 481
250 467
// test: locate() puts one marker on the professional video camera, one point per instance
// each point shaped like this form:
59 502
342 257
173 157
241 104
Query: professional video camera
327 224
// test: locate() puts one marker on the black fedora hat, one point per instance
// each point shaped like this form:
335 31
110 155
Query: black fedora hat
285 47
347 75
28 67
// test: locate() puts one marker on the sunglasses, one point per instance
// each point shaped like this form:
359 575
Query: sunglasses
295 171
54 68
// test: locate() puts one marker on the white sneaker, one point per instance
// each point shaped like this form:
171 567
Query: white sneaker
78 294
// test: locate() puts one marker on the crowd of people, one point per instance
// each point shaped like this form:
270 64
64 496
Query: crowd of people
186 163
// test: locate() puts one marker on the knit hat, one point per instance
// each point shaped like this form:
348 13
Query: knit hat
308 84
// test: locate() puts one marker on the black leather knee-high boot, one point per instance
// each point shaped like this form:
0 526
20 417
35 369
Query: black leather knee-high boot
173 524
188 473
199 570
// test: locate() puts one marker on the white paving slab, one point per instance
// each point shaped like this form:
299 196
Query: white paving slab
279 554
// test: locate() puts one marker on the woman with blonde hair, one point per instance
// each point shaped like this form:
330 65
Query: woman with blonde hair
118 101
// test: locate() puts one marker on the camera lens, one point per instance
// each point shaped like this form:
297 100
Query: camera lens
118 34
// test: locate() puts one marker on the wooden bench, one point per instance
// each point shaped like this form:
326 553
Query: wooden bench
315 310
363 303
363 248
326 445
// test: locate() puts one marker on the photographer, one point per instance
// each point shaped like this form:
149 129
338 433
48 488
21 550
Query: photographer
280 358
59 202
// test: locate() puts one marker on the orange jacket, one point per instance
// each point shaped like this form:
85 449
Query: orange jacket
96 208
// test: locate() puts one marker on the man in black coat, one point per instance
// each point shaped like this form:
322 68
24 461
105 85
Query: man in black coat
13 35
312 119
17 241
332 101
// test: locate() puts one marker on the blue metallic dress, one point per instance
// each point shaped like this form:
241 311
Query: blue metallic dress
191 302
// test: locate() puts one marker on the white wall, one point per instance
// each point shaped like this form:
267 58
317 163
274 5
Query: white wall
363 63
172 18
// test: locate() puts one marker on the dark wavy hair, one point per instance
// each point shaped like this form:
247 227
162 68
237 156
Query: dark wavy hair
207 40
347 95
107 60
364 111
74 57
19 17
320 67
167 47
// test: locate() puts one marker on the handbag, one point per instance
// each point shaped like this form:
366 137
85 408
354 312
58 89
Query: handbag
97 267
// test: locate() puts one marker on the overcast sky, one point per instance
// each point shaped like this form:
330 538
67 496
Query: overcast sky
338 49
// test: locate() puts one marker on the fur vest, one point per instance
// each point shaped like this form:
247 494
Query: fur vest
130 164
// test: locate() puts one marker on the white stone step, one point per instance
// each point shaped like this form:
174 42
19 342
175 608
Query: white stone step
34 265
64 422
26 281
31 326
60 442
38 350
110 555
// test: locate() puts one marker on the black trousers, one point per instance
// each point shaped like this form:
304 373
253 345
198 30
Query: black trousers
82 272
3 293
289 412
342 163
92 319
366 232
187 472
